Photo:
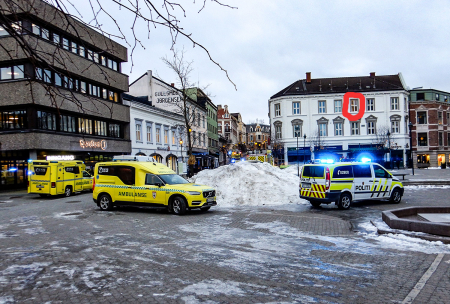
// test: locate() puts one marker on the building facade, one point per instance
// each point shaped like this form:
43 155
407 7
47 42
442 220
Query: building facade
156 132
241 130
66 103
165 96
227 126
430 116
257 136
314 107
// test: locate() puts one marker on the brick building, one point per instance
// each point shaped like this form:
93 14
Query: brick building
430 116
257 136
227 126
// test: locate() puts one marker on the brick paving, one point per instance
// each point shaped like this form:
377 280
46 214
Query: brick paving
66 251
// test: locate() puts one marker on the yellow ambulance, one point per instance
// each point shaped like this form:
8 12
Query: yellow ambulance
342 183
140 181
57 177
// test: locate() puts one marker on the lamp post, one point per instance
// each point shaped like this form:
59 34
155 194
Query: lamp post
181 145
389 142
298 163
411 161
304 141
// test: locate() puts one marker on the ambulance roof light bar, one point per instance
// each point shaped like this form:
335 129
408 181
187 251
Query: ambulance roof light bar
134 158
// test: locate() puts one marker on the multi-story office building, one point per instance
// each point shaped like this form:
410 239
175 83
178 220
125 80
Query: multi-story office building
314 107
65 101
430 116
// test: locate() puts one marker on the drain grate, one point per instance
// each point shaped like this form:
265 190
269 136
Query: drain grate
72 202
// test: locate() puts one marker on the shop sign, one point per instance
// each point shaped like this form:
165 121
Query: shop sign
60 157
163 148
93 144
167 97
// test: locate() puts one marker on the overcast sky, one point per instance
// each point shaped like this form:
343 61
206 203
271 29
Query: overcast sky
267 45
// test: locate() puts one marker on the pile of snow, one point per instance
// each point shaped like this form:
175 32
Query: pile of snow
293 169
251 184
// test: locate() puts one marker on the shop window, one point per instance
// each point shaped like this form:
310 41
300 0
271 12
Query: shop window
441 159
423 139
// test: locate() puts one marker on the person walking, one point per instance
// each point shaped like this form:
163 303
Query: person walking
191 163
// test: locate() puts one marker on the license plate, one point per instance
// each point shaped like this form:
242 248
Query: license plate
39 186
306 185
208 200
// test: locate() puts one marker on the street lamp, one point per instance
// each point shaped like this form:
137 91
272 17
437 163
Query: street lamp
181 145
304 141
389 141
298 164
411 161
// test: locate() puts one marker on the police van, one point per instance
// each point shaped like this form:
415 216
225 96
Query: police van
343 183
140 181
57 177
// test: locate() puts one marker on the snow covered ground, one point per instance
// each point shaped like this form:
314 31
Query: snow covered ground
252 184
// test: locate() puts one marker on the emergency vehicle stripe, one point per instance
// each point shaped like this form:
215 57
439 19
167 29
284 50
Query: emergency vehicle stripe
373 186
138 188
385 190
40 181
379 189
385 187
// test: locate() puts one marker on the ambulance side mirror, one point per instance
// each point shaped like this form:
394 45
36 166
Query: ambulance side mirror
159 185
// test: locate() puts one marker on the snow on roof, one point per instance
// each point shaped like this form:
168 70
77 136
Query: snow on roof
251 184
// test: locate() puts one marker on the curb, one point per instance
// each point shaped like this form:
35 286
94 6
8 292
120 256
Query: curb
425 183
426 237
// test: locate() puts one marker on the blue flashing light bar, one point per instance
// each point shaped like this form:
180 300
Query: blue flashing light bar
366 160
233 160
12 169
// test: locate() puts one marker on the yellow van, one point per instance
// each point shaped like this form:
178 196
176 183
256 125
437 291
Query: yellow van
140 181
343 183
57 177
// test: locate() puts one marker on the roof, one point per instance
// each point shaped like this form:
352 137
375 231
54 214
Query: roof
343 85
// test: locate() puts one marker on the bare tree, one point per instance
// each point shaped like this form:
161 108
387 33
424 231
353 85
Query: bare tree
66 15
381 139
188 106
316 141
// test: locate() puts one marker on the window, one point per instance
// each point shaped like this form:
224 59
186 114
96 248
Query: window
36 29
370 104
437 96
343 172
67 124
56 39
45 34
138 131
96 60
323 129
3 32
296 131
370 127
82 51
166 137
203 118
47 76
420 96
12 72
422 139
322 106
11 120
68 82
103 60
84 126
46 120
448 118
355 128
66 44
395 126
198 119
74 48
296 108
380 172
149 133
423 158
114 130
58 80
441 139
125 174
100 128
173 138
354 105
338 129
277 110
362 171
251 137
440 118
278 134
158 135
110 63
337 106
394 103
422 118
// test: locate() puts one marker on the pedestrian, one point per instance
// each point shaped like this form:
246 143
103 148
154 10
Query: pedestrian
191 162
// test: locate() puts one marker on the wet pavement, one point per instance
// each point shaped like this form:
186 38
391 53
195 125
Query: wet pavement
64 250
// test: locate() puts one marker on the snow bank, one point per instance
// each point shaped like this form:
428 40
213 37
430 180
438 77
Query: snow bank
293 169
251 184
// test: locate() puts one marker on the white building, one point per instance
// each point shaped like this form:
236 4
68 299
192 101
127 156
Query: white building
155 132
313 108
166 97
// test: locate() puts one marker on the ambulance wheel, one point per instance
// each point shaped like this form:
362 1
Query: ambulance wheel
345 201
68 191
105 202
315 203
178 205
396 197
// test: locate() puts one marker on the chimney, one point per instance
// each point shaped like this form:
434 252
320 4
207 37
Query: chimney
219 107
372 75
308 77
172 84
